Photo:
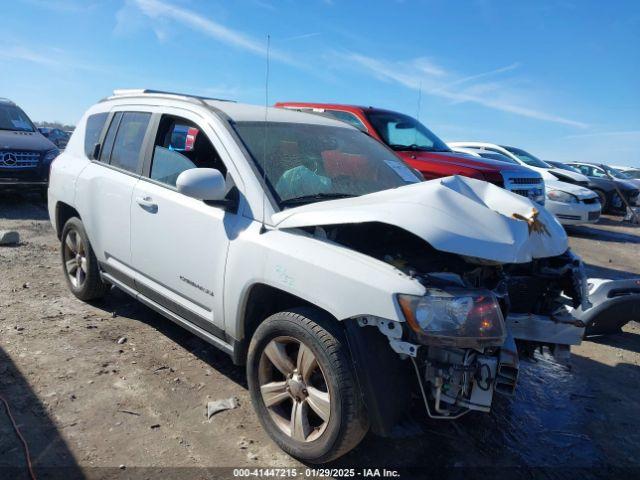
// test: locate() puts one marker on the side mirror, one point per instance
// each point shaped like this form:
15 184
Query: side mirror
202 184
96 151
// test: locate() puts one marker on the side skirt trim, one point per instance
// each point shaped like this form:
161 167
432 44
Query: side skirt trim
195 329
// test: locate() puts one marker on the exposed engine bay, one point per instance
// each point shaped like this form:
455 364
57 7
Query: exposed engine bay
459 374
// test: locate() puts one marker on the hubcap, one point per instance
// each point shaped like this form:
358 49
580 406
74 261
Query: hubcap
75 260
294 389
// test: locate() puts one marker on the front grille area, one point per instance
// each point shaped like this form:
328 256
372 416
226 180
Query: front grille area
524 193
530 185
526 181
568 217
12 159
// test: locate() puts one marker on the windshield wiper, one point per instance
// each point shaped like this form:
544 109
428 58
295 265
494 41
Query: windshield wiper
416 148
316 197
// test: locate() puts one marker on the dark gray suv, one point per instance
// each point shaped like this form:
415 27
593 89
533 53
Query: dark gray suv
25 154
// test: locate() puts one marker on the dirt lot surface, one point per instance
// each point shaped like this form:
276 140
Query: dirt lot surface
103 408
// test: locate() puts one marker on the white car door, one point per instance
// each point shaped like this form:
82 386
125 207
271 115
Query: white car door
179 244
104 192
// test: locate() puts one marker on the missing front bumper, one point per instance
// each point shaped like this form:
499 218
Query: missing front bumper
564 330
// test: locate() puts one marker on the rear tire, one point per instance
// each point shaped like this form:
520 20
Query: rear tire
331 426
79 263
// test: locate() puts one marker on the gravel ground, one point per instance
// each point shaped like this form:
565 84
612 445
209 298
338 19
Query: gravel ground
89 405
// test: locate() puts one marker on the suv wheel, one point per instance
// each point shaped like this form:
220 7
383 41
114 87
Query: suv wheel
303 387
79 263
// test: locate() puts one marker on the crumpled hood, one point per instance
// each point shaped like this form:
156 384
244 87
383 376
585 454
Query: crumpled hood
454 214
575 176
576 190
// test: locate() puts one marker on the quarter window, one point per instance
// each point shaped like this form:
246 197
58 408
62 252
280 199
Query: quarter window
107 146
128 142
93 129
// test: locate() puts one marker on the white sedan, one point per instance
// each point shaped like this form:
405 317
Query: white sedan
572 204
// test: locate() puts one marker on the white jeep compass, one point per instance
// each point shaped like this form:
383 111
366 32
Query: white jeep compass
309 252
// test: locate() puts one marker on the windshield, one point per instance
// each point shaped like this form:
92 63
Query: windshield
527 158
497 156
14 119
305 163
402 132
615 173
564 166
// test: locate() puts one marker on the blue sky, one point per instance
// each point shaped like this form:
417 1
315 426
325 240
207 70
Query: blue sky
560 79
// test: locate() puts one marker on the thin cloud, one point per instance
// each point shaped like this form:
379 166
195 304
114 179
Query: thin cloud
621 133
433 81
300 37
491 73
52 58
159 10
74 6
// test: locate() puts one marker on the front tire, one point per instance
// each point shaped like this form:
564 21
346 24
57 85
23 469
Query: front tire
79 263
303 387
603 200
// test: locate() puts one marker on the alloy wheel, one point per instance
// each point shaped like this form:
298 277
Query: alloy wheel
75 259
294 389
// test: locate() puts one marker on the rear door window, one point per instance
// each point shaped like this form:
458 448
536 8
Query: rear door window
93 129
128 142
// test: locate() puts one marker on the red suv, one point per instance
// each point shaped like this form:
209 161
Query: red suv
424 151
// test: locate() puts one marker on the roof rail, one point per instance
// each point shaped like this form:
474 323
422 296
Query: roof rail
138 92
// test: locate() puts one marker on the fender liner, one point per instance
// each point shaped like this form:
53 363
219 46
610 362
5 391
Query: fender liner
382 376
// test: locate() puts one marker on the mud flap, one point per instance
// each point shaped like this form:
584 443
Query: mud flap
615 303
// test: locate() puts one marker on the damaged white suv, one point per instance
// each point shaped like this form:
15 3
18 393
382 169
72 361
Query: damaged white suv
309 252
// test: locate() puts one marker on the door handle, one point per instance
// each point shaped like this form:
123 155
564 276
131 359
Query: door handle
147 204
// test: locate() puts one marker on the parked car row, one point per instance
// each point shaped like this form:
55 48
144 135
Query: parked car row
573 197
58 137
317 257
25 154
304 241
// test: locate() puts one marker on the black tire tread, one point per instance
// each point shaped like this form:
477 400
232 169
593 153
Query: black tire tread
94 288
329 332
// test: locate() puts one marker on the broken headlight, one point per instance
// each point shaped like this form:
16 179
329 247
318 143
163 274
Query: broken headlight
455 316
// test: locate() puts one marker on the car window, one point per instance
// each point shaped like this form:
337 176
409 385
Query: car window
12 118
128 142
583 169
615 173
309 162
94 126
107 146
598 172
497 156
347 117
181 145
526 157
402 132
